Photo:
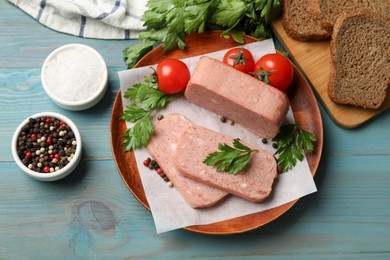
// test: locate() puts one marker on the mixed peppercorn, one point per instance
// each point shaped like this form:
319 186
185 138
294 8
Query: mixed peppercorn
153 165
46 144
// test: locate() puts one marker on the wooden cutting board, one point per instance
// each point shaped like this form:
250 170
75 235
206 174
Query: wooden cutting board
313 59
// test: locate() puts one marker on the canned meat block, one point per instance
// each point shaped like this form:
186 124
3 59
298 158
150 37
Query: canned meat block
237 96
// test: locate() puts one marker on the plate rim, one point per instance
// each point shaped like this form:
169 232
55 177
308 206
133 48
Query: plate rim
204 229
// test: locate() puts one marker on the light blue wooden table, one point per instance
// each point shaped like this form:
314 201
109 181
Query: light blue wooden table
92 215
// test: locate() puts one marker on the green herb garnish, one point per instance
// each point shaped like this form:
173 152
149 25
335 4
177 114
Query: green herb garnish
230 159
169 21
135 52
146 98
292 141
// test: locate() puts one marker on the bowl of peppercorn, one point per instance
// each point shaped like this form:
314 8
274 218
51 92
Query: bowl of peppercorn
47 146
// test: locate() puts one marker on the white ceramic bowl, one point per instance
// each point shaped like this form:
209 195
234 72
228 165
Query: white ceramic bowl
50 176
75 76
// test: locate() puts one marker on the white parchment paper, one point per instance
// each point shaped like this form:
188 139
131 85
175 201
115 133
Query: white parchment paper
169 209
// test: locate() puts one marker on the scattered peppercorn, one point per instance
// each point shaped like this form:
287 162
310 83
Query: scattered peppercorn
225 119
147 162
153 165
160 117
264 140
40 150
274 145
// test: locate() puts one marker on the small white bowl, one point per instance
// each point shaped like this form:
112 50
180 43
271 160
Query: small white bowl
50 176
75 76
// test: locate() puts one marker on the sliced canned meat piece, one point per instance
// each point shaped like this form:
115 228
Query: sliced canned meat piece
162 147
254 183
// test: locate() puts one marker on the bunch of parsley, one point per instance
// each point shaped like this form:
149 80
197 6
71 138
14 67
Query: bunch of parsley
168 21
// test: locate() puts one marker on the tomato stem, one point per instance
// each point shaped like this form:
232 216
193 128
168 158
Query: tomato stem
239 58
263 74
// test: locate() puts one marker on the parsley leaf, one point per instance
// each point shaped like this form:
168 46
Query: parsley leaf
292 141
173 40
147 94
139 134
135 52
229 13
238 36
197 16
151 98
229 159
154 34
133 113
160 5
146 98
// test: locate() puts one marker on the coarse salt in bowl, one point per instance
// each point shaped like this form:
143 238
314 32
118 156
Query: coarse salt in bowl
75 76
53 151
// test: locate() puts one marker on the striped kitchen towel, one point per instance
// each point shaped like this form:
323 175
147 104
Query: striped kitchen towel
104 19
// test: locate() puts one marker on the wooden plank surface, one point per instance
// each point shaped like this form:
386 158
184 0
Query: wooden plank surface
92 215
314 58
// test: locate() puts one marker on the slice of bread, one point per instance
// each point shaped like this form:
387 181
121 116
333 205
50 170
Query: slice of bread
360 59
327 11
299 24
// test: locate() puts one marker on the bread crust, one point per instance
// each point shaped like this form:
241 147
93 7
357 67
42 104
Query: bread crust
316 9
322 9
294 32
340 22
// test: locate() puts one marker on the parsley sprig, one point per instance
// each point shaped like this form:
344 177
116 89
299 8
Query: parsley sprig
292 141
146 98
229 159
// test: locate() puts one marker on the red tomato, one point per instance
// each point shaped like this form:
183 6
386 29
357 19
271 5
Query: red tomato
172 76
241 59
275 69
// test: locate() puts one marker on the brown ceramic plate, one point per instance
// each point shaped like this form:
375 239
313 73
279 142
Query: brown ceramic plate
305 110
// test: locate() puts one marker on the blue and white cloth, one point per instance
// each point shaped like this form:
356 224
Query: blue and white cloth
103 19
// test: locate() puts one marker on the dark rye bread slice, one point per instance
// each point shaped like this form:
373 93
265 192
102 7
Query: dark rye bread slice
299 24
360 59
327 11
